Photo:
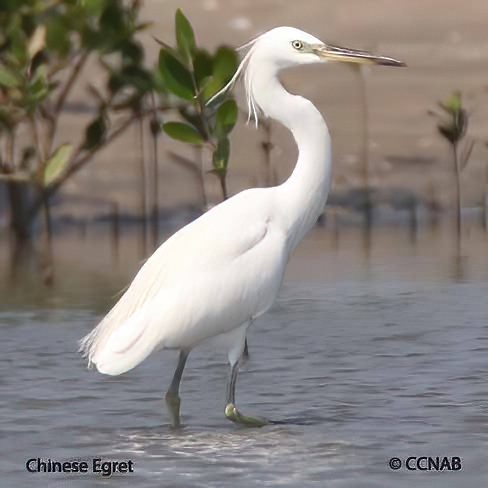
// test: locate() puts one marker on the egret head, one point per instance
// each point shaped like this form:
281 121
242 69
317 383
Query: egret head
283 47
287 46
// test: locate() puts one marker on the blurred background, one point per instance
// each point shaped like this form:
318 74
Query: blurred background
85 165
378 340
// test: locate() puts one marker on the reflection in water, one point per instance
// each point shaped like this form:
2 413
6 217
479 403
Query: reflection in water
365 356
336 250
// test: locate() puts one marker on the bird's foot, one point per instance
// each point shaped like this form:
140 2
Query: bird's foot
233 414
173 403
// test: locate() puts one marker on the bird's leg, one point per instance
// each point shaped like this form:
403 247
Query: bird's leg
172 398
231 411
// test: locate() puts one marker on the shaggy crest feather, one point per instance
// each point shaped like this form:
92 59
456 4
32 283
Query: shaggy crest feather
243 70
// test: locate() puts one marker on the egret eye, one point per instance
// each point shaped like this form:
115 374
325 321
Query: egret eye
298 45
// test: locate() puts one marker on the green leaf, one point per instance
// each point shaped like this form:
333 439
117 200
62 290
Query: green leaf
37 89
132 52
58 161
220 157
226 117
176 78
225 64
202 66
7 78
93 7
57 36
91 38
183 132
455 124
137 77
454 103
192 117
38 60
112 21
185 37
95 133
169 49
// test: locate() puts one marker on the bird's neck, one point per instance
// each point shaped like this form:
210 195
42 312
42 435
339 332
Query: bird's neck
301 198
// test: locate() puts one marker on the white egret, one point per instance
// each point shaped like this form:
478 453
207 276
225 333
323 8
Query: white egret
214 277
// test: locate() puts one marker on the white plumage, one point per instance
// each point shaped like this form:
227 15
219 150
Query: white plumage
200 283
216 275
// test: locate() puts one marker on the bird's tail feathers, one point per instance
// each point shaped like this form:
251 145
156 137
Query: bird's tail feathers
114 351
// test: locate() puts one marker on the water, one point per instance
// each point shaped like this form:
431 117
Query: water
360 370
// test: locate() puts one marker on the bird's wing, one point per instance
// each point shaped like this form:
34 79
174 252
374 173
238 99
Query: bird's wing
213 252
205 245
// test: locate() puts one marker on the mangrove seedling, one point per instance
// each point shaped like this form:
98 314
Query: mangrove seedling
452 126
193 75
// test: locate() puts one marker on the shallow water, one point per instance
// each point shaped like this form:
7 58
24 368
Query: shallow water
360 371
